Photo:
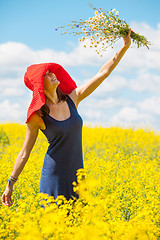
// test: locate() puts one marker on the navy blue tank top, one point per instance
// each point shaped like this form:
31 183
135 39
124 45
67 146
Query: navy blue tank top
64 155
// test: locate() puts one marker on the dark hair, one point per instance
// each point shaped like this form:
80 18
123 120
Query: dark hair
44 110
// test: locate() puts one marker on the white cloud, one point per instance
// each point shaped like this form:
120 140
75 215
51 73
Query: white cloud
150 105
111 84
10 82
142 58
138 71
78 57
130 114
102 104
152 34
16 56
12 87
13 92
145 81
11 112
91 114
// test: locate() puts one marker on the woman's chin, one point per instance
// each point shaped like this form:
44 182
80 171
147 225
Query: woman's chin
56 82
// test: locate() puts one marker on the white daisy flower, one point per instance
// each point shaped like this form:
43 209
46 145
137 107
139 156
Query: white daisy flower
110 25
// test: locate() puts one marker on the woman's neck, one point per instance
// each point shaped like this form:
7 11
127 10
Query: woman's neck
51 98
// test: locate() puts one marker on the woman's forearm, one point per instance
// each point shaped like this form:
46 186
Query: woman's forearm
22 158
19 165
108 67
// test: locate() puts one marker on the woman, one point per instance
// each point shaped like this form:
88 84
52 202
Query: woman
55 114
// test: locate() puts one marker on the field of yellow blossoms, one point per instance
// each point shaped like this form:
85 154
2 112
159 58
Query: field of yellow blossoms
119 188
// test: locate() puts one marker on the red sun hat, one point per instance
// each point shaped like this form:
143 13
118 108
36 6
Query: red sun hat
33 79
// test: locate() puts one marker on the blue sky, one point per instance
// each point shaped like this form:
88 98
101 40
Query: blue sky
129 97
33 21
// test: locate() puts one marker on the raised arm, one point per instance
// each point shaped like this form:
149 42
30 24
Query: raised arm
22 158
83 91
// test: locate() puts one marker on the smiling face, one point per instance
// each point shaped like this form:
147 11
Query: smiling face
50 81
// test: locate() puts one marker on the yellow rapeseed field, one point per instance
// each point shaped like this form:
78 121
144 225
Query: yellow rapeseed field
119 188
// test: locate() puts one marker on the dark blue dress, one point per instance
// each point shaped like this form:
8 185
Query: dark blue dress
64 155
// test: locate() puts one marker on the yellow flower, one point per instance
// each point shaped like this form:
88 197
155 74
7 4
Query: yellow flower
111 181
74 183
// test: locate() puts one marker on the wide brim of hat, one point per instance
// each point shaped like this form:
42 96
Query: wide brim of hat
38 100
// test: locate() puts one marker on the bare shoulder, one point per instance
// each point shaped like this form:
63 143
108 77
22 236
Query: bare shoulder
74 96
36 121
